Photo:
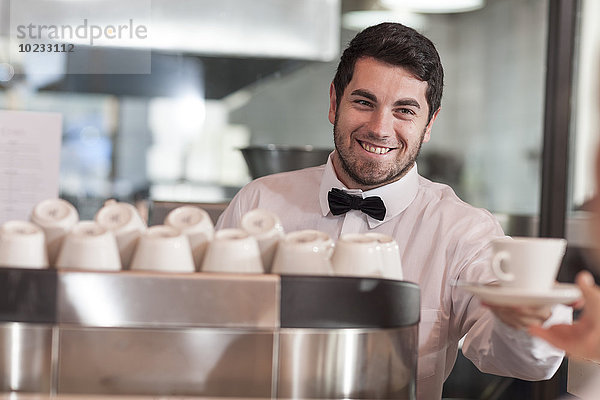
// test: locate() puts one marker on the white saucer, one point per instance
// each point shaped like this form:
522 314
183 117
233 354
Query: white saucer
561 293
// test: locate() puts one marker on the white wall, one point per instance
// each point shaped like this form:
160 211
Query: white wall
492 111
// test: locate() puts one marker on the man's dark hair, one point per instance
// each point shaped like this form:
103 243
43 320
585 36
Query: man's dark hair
397 45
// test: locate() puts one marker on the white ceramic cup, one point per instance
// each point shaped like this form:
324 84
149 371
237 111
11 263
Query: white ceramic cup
56 217
266 228
89 246
124 221
233 251
163 248
196 224
390 253
305 252
526 262
22 245
357 254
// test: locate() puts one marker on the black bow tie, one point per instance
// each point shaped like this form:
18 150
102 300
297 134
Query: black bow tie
341 202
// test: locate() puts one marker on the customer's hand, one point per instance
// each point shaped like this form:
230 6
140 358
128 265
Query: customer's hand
582 339
521 317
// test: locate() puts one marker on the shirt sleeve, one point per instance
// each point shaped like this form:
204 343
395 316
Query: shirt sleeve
496 348
490 344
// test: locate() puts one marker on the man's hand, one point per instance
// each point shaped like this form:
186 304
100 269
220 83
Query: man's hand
582 339
521 317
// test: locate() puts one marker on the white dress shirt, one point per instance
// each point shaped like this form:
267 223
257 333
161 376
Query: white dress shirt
441 239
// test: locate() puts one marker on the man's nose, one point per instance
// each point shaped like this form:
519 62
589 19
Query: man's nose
381 123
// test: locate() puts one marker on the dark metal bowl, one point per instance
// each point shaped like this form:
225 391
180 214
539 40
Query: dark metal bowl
271 158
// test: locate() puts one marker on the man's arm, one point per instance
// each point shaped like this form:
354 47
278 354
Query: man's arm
497 348
492 345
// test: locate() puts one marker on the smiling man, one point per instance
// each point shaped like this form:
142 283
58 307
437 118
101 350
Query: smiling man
379 123
384 100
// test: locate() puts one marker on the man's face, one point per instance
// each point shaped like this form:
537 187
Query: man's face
379 125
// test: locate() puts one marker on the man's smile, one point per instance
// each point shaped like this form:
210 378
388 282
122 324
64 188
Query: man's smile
374 149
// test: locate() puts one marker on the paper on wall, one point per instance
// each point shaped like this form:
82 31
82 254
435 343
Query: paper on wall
30 145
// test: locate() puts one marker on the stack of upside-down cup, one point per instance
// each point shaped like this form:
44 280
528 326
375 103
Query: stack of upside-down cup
56 217
22 245
368 255
233 251
163 248
305 252
118 238
266 228
196 224
89 246
124 221
390 255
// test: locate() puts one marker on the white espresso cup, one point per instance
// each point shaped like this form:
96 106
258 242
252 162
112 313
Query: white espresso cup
163 248
305 252
390 254
196 224
89 246
56 217
22 245
233 251
124 221
266 228
357 254
527 262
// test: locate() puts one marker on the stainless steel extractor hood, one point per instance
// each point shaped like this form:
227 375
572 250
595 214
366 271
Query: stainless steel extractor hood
172 75
307 29
233 42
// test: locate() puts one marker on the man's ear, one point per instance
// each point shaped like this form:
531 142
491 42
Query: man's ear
427 134
332 103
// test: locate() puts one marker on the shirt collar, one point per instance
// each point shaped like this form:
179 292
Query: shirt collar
396 196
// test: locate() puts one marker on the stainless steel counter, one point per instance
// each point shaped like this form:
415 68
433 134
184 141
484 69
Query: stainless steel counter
33 396
77 333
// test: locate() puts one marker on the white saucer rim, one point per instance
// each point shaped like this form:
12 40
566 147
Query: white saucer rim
561 293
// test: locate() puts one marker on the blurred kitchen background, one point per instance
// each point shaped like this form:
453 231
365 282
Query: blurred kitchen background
258 72
174 134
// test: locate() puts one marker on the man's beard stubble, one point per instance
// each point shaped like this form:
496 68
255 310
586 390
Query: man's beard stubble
367 174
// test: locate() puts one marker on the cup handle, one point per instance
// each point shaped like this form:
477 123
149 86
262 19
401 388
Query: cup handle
497 266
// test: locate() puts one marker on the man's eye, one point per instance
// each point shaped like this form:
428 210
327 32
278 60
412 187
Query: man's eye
406 111
363 102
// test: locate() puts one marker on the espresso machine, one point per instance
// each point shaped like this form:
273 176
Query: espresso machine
69 332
